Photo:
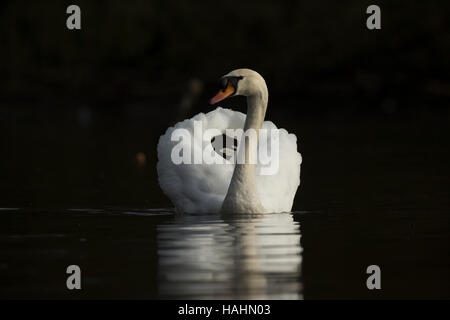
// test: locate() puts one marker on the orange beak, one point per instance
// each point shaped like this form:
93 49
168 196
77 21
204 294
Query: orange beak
222 94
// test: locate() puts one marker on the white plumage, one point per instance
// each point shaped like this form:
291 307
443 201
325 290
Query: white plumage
201 188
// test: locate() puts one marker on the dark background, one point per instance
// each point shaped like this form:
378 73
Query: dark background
76 107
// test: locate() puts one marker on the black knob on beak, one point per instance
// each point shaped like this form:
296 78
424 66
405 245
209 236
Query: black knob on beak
223 83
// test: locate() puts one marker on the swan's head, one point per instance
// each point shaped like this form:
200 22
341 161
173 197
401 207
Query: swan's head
240 82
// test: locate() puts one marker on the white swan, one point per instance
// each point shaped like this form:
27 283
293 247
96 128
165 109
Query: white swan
229 187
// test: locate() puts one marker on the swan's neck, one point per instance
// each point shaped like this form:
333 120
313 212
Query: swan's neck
242 195
256 110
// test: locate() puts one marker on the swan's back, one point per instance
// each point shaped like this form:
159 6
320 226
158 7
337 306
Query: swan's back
201 188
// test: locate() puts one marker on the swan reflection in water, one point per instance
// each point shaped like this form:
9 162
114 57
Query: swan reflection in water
230 257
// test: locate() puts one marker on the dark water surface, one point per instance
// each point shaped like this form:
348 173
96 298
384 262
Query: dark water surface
374 190
141 253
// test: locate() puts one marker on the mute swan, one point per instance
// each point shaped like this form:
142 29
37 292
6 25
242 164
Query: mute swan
230 187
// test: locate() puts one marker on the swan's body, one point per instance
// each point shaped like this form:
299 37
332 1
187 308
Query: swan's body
231 188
